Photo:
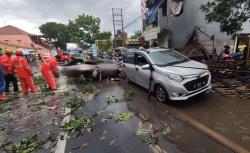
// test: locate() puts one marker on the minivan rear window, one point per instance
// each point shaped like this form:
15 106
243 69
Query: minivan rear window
129 58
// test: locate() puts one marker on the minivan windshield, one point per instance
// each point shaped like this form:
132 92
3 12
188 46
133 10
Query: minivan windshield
167 58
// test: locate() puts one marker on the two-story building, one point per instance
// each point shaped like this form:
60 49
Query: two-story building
174 23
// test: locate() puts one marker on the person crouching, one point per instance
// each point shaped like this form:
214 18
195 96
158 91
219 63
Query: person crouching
24 72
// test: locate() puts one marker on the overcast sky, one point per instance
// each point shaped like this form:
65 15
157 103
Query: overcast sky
30 14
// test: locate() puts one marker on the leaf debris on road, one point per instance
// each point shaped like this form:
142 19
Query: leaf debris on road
123 116
128 93
166 129
26 145
145 137
112 99
78 124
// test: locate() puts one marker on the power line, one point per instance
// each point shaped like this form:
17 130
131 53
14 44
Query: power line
132 22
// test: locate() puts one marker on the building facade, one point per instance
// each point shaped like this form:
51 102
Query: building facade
12 38
176 22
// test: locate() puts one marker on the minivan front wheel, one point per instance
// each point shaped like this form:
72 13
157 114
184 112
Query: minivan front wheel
161 93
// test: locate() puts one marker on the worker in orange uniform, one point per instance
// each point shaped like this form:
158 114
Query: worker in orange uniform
24 73
2 80
49 71
9 75
2 84
54 65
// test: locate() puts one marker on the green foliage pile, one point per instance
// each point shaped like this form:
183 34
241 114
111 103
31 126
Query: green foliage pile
166 129
112 99
145 137
39 80
75 103
89 88
128 93
26 145
78 124
123 116
76 80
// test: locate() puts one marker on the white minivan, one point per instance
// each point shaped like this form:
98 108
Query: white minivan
174 76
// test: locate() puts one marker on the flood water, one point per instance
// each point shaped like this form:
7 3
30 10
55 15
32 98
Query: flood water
182 138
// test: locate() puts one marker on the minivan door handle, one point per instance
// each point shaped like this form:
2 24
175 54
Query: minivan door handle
136 69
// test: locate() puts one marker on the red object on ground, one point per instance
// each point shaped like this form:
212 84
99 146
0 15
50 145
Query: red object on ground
24 74
3 97
47 72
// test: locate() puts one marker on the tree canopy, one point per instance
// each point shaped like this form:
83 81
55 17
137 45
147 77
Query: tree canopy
136 35
84 30
56 32
105 35
104 45
231 14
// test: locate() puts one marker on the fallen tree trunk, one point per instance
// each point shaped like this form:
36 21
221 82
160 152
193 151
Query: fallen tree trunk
102 70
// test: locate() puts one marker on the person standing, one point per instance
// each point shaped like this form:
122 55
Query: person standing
9 75
48 71
54 65
24 72
2 80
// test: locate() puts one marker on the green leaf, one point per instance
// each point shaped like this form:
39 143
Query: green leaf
123 116
83 123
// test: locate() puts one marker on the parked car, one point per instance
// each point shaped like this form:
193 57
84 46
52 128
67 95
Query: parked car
64 57
175 77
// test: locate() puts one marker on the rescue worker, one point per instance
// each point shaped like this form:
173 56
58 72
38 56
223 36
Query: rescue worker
49 71
9 75
2 80
54 65
24 73
2 84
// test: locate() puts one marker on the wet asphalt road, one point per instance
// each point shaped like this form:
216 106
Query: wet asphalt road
216 113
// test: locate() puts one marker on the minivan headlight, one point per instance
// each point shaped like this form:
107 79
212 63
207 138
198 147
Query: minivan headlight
174 77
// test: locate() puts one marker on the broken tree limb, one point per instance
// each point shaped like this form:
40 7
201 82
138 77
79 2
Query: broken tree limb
93 71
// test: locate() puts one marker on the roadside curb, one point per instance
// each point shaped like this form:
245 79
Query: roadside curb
62 138
61 143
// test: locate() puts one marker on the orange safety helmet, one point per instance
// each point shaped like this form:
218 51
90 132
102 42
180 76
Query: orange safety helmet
19 52
8 52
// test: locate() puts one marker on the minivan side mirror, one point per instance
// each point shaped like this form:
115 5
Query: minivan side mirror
145 67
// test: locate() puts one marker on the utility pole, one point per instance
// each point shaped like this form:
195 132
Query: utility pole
117 15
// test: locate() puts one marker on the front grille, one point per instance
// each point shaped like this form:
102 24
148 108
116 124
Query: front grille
197 84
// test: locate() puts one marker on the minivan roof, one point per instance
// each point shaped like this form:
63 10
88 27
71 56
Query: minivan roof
156 49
